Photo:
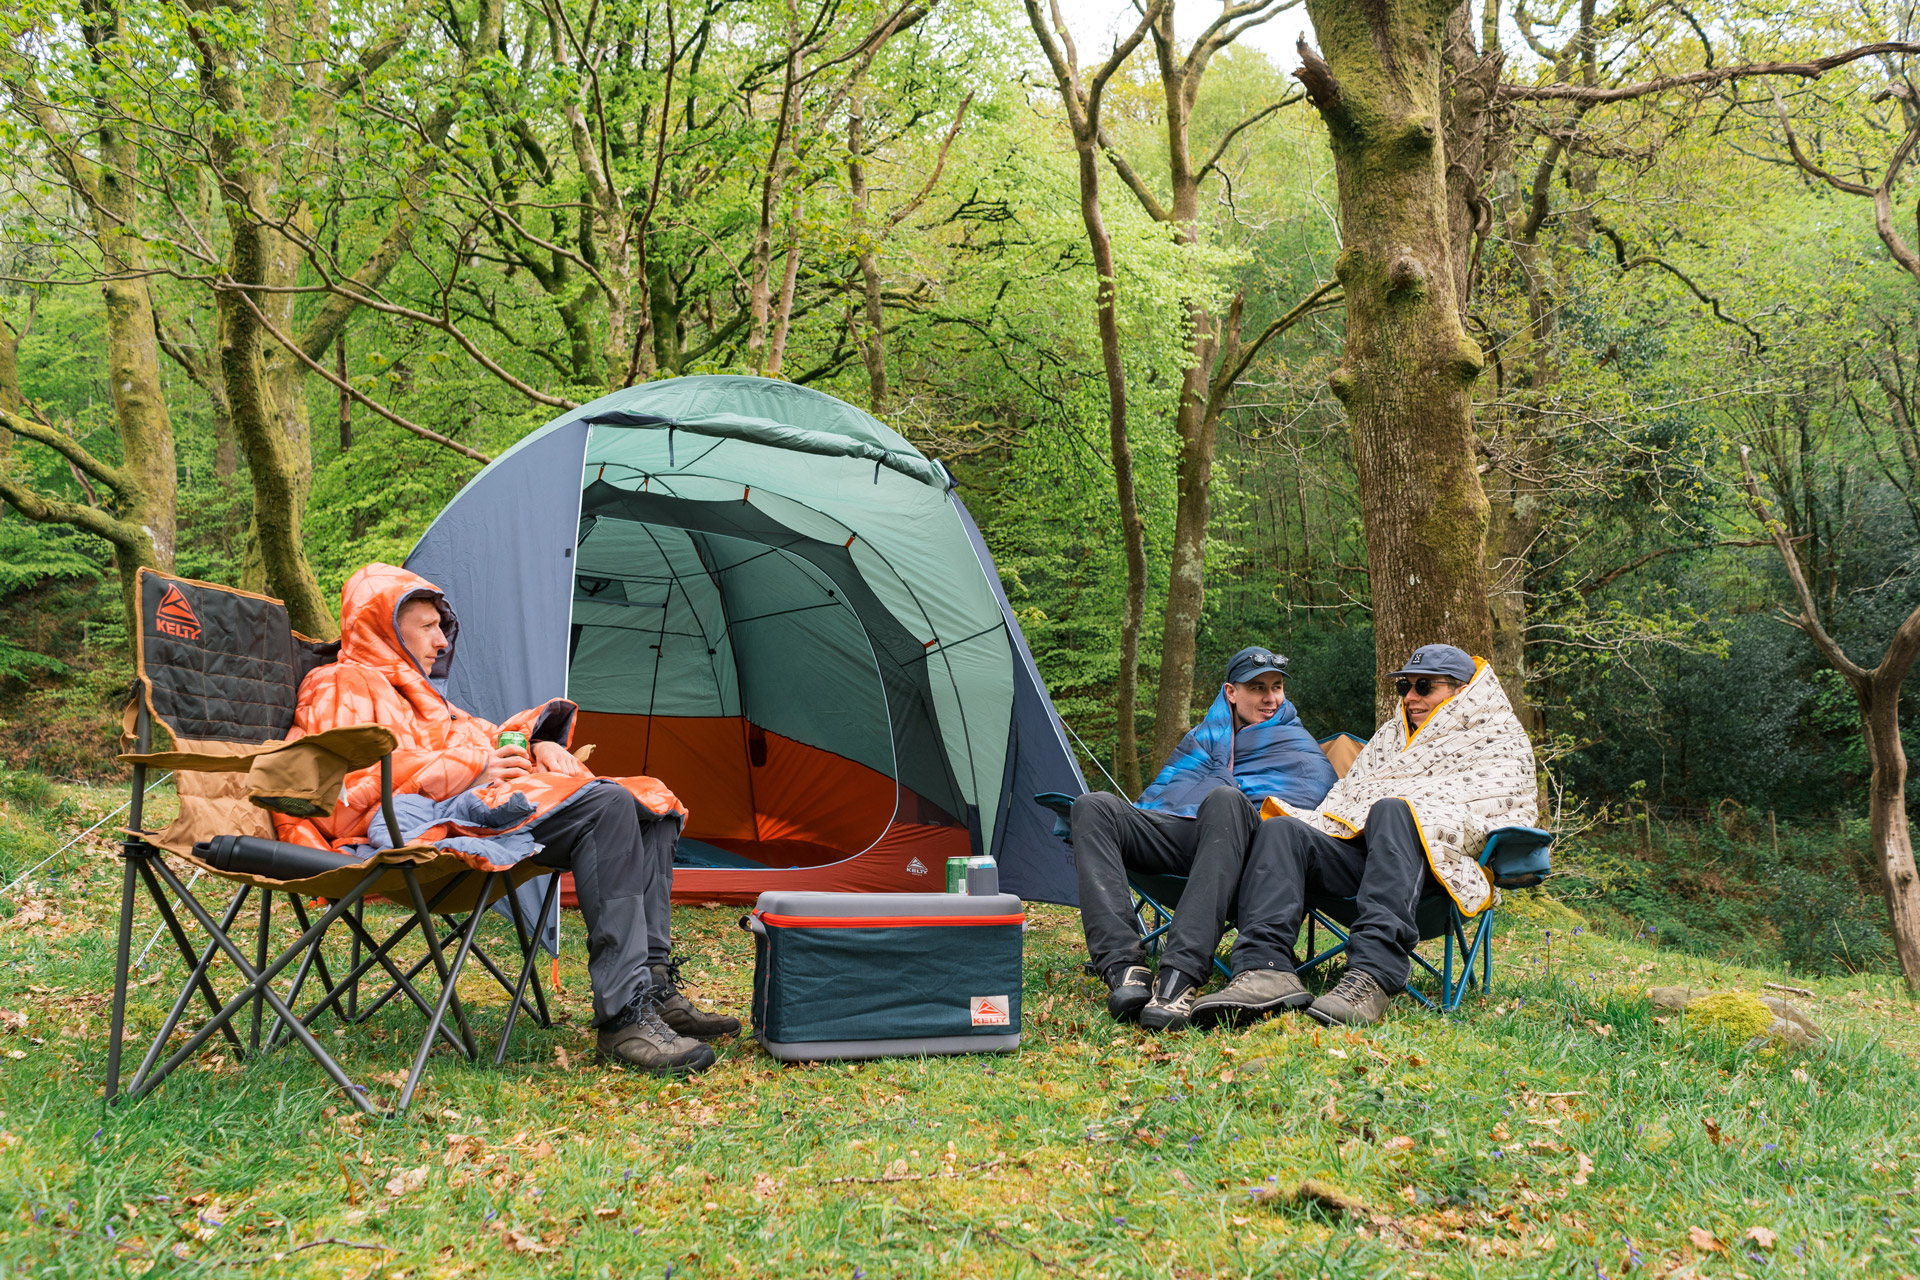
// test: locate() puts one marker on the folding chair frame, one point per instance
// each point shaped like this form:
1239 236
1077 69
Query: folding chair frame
144 865
1472 935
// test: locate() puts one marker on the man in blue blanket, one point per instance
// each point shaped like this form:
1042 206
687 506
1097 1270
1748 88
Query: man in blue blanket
1196 820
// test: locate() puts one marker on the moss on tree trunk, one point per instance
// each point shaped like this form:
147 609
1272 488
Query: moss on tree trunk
1408 368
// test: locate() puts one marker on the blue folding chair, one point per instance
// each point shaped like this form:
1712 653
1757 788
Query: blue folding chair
1516 858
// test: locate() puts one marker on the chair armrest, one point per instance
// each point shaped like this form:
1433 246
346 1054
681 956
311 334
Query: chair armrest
360 745
188 761
1517 857
302 779
1062 806
1514 840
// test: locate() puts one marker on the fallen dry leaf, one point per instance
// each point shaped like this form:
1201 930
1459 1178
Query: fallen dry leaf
763 1186
1239 1221
521 1242
1585 1163
1761 1236
1800 1076
1402 1143
12 1020
406 1181
1713 1129
606 1214
1704 1239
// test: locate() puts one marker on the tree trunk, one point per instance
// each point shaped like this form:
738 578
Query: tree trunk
873 344
1082 103
1197 430
772 181
269 419
1406 375
133 371
1892 839
1132 527
783 312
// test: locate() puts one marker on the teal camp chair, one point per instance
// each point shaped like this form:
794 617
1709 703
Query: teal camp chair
1516 857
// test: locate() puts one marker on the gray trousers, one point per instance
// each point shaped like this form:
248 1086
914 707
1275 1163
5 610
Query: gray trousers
622 862
1383 869
1111 838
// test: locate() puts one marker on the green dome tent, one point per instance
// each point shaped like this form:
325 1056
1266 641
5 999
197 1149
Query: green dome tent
775 604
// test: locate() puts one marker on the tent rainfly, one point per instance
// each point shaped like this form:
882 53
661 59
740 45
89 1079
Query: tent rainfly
778 606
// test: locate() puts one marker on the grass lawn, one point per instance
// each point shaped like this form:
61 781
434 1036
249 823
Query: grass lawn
1556 1128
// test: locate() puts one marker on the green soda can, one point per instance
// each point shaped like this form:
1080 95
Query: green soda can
511 739
956 875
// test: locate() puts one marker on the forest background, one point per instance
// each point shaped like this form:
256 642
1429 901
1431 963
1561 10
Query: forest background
277 277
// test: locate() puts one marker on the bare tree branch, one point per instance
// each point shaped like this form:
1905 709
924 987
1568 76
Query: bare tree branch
1812 70
347 388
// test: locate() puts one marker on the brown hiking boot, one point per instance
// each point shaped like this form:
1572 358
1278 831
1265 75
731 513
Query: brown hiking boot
1357 1000
1251 996
1172 1003
640 1038
681 1013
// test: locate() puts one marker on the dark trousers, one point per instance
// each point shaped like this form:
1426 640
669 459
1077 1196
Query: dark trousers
1111 838
1384 869
622 862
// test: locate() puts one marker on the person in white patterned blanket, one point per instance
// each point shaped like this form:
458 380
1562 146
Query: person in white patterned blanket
1409 818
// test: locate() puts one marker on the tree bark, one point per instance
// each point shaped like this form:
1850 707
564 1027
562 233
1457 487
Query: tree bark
1876 691
102 175
1082 103
1407 372
873 341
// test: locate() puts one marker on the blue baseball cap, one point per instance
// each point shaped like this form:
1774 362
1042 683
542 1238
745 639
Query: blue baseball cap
1438 660
1255 661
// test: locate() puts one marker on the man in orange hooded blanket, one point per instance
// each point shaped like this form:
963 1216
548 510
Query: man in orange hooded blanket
616 835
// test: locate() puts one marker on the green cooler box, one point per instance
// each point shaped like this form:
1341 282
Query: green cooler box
877 975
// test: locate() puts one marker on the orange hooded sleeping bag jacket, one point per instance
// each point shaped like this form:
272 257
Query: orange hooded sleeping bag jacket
442 749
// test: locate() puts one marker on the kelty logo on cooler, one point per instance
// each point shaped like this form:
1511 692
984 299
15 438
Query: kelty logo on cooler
175 617
916 868
990 1011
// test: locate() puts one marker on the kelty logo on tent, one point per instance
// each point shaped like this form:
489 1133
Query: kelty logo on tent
175 617
916 868
990 1011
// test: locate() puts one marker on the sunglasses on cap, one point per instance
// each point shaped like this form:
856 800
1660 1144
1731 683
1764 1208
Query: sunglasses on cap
1422 685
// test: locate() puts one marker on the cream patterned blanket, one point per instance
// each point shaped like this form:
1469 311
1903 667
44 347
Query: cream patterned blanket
1466 771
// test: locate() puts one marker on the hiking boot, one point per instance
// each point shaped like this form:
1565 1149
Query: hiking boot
1357 1000
639 1037
1172 1002
681 1013
1129 986
1251 996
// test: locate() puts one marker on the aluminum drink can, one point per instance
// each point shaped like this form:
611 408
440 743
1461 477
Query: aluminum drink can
956 875
983 874
511 739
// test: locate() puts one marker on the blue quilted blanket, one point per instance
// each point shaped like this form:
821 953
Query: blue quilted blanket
1276 758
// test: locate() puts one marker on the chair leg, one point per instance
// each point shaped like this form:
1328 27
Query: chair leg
193 983
449 980
1486 958
378 953
353 964
432 935
529 936
529 970
260 942
182 943
123 954
260 982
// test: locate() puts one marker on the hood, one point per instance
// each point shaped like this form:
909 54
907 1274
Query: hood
369 620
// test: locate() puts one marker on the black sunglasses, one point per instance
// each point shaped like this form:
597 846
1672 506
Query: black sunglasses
1423 686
